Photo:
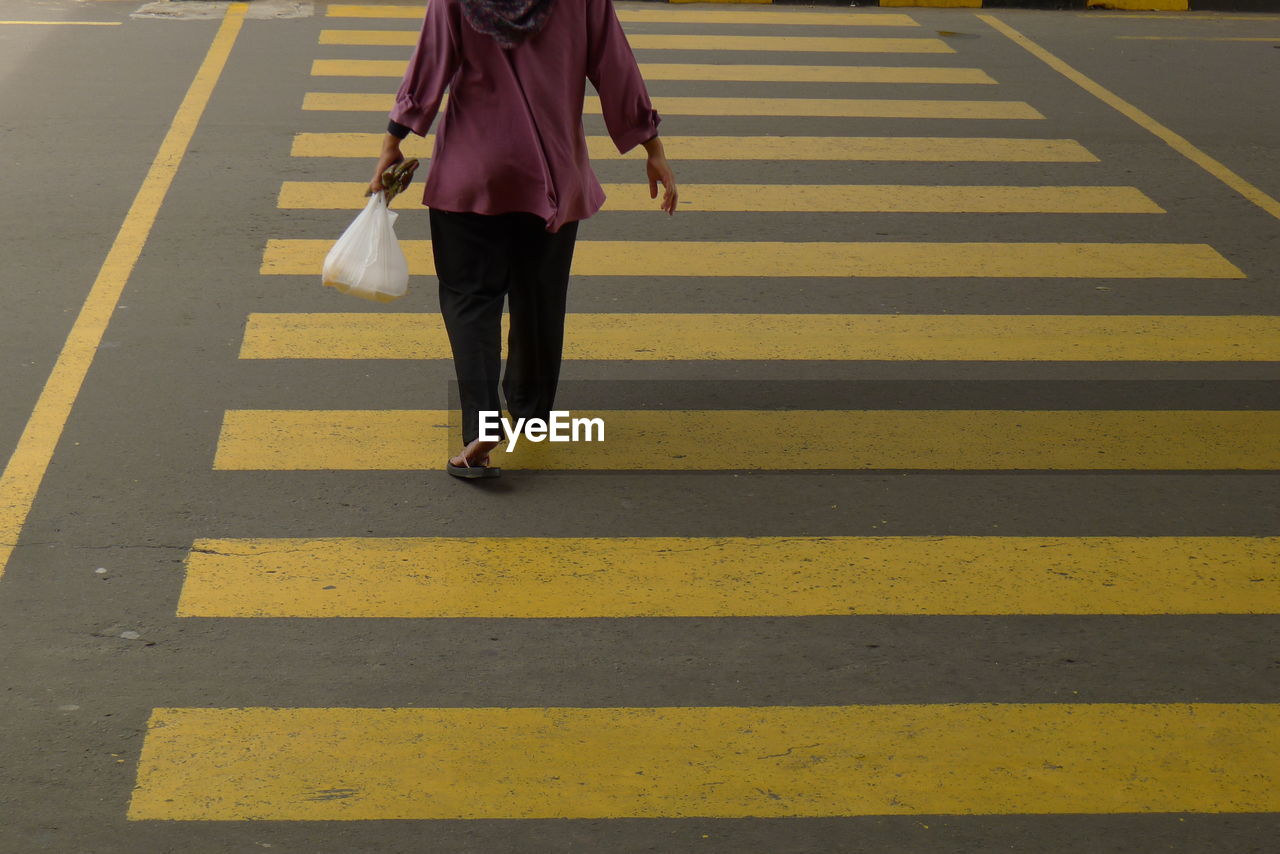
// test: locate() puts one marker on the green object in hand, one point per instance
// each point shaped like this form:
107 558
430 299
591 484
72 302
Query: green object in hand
396 179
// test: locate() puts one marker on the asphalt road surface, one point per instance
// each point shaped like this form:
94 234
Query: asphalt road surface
937 509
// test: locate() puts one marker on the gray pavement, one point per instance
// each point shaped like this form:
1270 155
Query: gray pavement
82 111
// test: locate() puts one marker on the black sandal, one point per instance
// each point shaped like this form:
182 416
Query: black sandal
466 471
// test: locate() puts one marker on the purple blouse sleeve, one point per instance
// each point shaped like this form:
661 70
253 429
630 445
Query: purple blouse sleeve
612 70
434 62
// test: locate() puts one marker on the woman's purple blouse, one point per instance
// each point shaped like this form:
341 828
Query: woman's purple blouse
511 138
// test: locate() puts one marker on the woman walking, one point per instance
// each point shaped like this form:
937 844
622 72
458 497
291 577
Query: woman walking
510 179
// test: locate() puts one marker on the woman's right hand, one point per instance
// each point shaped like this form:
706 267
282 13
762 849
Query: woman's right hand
390 157
660 173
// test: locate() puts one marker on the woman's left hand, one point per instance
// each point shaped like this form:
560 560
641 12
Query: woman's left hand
390 156
660 172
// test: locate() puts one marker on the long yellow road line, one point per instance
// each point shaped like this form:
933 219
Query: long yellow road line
622 577
641 41
681 106
846 148
788 44
722 762
887 198
1174 140
739 440
677 71
773 337
668 16
26 468
839 260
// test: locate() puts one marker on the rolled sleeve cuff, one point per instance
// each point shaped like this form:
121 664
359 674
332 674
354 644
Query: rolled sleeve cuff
409 115
641 132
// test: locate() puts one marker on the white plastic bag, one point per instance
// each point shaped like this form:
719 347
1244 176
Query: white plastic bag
367 261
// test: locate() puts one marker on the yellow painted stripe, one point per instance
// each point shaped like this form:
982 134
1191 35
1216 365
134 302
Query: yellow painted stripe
733 440
640 41
717 762
675 71
884 259
897 198
1140 5
1175 141
806 44
677 106
878 148
621 577
666 16
26 467
814 73
772 337
360 10
358 67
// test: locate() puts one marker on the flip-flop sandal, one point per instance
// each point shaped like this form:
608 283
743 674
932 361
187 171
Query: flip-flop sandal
469 472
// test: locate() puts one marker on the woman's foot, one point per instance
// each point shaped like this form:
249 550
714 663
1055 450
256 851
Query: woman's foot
473 462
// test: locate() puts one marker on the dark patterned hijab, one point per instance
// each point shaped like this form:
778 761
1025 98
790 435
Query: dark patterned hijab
510 22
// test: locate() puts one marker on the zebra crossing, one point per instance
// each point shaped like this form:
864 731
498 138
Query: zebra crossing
373 764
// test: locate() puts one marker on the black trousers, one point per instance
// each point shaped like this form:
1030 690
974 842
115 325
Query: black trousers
480 261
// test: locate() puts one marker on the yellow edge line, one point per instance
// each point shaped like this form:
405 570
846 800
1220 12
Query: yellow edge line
1174 140
25 471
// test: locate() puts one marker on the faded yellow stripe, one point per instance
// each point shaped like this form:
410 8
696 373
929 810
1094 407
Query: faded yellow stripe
720 762
840 260
675 71
878 148
1175 141
619 577
773 337
677 106
25 470
364 10
732 440
790 44
889 198
358 67
640 41
665 16
814 73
